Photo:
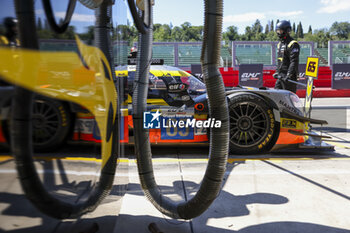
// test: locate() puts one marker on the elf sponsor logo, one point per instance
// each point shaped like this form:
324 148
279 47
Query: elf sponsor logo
250 76
342 75
177 87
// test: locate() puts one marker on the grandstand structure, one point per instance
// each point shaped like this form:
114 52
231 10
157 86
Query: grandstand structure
58 45
264 52
183 54
339 52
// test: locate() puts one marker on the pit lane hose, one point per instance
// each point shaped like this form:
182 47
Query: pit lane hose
141 23
21 138
211 183
91 4
62 27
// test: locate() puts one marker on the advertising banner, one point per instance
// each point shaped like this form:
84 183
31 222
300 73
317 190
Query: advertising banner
341 76
251 75
196 70
302 77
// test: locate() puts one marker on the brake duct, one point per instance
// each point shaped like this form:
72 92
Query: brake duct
21 127
219 140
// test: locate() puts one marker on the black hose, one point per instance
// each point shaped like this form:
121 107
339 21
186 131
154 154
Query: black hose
21 138
211 183
142 23
91 4
62 27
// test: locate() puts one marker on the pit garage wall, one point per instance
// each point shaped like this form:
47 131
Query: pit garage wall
230 76
323 84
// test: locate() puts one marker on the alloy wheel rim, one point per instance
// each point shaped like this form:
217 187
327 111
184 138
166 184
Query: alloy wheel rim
248 124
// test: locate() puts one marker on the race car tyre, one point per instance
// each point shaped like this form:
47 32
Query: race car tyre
253 129
52 123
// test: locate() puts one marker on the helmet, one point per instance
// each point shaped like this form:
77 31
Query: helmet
283 28
133 52
10 22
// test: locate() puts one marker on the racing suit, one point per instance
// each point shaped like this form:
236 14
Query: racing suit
287 64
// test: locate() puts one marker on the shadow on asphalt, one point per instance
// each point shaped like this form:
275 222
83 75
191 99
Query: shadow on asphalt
309 180
272 227
19 206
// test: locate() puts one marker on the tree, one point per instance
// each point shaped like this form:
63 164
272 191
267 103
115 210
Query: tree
301 30
293 28
126 33
176 34
231 34
187 32
277 21
300 33
185 28
162 33
39 25
310 30
45 34
88 36
256 27
271 36
272 28
340 30
46 25
248 33
266 29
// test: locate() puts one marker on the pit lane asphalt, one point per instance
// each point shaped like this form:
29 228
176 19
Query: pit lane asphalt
304 192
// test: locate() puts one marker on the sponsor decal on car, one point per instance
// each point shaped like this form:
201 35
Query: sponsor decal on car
288 107
178 87
287 123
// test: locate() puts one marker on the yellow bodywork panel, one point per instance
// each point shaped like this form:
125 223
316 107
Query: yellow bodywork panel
85 80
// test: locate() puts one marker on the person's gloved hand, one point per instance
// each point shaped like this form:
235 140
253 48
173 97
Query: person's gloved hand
286 77
276 75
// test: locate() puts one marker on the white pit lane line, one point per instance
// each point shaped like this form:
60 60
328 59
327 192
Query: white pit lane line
191 173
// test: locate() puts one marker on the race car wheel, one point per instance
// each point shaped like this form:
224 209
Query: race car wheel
253 128
51 123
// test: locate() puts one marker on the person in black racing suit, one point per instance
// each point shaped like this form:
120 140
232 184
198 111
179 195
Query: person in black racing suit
288 58
10 37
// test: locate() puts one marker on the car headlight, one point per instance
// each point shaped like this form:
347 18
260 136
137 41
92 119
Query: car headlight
296 101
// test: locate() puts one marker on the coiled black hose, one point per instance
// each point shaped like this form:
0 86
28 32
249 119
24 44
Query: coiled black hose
62 27
21 138
91 4
141 23
219 140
